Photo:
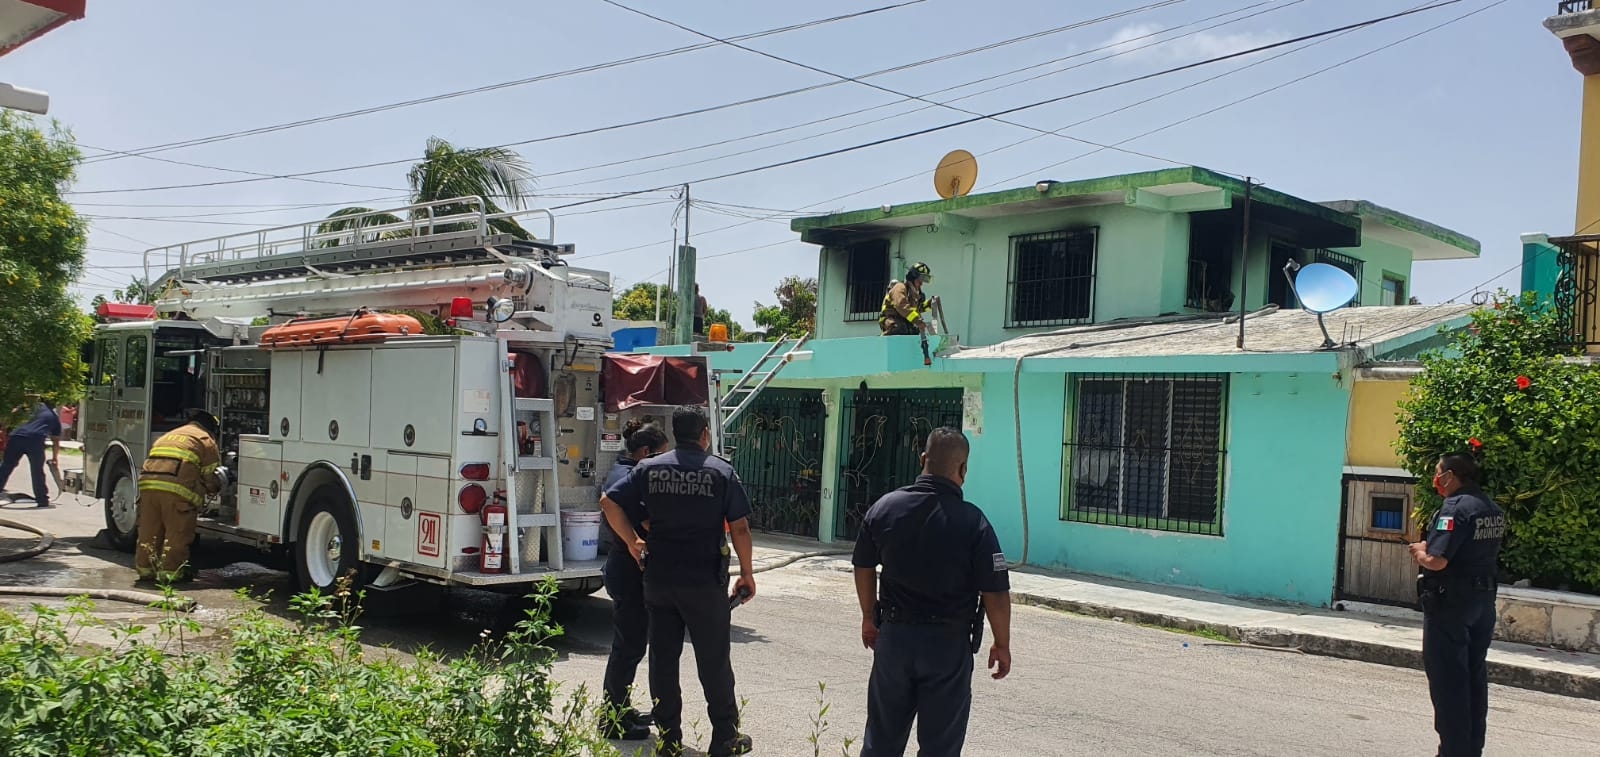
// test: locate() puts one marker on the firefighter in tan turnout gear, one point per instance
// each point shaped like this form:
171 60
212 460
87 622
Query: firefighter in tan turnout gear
182 468
905 306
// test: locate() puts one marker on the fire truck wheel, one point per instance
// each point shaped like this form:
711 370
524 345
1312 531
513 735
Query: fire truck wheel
122 508
327 549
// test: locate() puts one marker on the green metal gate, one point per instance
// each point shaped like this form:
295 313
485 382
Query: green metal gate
779 458
881 444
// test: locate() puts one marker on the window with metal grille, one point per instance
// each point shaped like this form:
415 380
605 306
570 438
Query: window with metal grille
1147 451
1349 264
1394 290
866 279
1051 279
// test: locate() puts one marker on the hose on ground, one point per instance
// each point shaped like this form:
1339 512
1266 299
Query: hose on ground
46 539
180 602
792 559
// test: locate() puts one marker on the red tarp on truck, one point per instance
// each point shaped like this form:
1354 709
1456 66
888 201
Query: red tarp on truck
633 380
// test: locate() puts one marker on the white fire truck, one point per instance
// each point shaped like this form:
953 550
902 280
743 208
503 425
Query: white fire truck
361 447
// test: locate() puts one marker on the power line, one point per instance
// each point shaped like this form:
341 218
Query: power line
236 170
598 129
1123 44
880 88
500 85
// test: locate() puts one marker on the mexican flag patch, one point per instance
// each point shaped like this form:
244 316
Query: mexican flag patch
1445 523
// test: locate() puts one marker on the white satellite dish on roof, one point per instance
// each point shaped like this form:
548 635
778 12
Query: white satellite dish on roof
1322 288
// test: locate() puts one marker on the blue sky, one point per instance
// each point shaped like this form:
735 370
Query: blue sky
1473 126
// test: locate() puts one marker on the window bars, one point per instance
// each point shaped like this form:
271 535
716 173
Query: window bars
1050 281
866 279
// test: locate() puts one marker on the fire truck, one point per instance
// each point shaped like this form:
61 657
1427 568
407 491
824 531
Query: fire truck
363 448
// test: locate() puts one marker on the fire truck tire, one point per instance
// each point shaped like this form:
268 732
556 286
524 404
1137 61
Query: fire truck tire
122 507
328 546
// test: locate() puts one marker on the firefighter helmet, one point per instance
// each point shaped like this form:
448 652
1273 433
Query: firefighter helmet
206 421
921 272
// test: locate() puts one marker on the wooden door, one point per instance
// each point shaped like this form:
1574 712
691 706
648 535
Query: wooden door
1374 563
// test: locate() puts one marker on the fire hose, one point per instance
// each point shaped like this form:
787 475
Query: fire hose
47 540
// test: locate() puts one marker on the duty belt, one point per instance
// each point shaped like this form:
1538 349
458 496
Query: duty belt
898 615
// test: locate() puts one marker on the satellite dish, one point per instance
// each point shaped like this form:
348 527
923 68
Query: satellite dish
1322 288
956 174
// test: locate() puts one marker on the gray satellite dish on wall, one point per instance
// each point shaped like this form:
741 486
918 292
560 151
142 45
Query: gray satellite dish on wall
1322 288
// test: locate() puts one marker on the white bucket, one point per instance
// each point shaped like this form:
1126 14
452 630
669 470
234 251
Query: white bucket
580 535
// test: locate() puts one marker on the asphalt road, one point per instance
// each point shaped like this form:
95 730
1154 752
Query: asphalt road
1080 686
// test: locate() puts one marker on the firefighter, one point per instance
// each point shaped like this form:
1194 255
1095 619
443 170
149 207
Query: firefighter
905 305
28 441
624 581
685 498
181 469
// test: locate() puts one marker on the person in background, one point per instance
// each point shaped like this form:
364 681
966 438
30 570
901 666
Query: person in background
905 305
685 498
624 582
1457 584
183 467
700 309
943 572
69 423
27 441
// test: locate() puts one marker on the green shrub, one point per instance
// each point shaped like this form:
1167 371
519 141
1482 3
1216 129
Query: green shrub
1504 392
279 690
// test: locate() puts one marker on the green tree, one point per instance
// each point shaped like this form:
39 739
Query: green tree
638 303
1503 391
41 252
795 312
498 175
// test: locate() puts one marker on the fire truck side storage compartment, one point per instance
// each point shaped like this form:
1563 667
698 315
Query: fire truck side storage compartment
411 387
261 491
283 404
336 396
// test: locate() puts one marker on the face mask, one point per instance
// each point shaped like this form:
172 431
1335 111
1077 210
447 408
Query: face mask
1438 487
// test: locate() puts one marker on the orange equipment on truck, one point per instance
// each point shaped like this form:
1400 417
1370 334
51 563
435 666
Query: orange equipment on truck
361 326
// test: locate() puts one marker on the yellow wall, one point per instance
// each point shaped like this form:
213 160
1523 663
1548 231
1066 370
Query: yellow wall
1374 427
1588 218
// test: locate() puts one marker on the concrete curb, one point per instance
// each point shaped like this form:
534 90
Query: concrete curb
1559 682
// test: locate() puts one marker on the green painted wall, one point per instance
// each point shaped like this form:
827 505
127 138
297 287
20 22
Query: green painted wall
1539 266
1141 269
1381 258
1281 491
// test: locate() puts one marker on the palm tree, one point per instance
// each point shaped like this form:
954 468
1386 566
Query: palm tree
498 175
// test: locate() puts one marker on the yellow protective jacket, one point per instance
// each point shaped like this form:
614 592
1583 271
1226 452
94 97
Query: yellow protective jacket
183 462
902 305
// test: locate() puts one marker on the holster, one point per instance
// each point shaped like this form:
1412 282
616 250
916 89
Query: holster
1432 593
977 628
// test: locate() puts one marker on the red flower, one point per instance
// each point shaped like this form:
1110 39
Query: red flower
1474 443
1523 382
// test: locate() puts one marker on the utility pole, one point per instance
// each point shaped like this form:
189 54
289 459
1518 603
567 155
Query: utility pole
1244 260
685 282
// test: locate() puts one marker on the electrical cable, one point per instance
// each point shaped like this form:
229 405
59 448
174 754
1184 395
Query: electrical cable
141 151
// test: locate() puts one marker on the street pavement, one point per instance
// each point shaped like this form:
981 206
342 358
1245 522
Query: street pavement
1080 686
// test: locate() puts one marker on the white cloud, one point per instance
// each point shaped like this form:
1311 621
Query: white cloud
1136 44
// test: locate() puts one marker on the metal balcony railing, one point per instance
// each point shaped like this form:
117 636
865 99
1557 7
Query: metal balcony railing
1573 6
1578 286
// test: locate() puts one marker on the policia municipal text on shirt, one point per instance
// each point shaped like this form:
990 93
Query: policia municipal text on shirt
682 501
1457 585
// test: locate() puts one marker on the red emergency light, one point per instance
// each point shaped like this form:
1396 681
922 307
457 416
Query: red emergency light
461 307
117 311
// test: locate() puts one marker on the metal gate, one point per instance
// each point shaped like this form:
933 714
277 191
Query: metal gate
1375 526
779 459
881 444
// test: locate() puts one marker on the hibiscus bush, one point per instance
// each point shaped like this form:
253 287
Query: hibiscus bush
1504 392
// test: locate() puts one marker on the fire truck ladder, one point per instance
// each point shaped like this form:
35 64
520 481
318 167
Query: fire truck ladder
533 496
743 393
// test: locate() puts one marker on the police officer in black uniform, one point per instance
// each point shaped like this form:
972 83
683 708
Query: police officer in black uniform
1459 564
630 624
682 499
943 571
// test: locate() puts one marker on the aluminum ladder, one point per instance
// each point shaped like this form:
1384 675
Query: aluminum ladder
532 494
743 393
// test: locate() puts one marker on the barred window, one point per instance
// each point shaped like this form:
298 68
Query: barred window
866 279
1051 278
1147 452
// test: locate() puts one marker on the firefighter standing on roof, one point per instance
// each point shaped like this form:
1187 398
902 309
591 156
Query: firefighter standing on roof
181 469
905 306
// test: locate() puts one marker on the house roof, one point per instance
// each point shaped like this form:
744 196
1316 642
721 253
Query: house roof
1375 331
1427 241
1336 224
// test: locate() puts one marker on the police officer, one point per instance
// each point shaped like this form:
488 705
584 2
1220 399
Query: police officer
682 499
905 304
625 584
1457 584
180 470
943 571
